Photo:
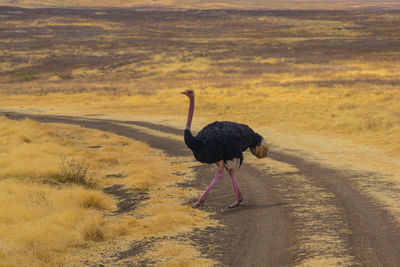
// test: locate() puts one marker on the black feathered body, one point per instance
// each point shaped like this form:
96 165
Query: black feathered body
222 141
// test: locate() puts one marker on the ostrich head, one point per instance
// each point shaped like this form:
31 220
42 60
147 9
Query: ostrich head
189 93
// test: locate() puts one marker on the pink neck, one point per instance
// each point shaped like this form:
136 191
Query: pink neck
190 114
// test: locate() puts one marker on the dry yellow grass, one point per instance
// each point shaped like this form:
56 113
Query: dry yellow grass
270 4
367 115
45 222
40 225
59 21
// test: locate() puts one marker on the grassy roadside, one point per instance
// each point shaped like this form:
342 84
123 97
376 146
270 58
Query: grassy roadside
47 218
368 116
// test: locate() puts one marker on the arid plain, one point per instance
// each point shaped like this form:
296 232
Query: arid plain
321 85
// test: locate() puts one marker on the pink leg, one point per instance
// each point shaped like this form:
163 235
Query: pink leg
239 197
218 175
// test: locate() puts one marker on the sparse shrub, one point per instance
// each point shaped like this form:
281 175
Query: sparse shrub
66 76
95 200
27 75
74 171
94 234
115 175
94 230
25 139
141 190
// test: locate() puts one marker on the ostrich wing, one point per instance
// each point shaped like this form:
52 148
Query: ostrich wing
230 134
221 141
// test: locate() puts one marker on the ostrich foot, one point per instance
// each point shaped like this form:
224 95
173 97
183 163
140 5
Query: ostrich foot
199 203
236 203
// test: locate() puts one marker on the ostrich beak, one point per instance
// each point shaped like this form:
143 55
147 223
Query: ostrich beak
184 93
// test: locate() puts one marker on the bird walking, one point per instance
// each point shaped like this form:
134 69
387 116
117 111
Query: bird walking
222 143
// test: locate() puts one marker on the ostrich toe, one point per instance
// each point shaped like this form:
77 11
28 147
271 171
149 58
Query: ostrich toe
236 203
199 203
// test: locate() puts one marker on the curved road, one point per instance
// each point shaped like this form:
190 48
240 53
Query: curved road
304 212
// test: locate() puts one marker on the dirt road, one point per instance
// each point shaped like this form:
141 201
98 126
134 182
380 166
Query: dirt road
294 211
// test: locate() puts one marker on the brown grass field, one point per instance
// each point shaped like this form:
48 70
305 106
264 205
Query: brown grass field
209 4
326 81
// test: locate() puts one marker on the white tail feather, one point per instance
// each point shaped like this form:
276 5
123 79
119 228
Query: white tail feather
260 151
233 164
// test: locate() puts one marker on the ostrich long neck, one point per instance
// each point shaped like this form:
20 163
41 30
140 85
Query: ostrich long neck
190 114
191 141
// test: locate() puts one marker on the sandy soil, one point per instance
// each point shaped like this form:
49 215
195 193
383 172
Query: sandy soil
295 211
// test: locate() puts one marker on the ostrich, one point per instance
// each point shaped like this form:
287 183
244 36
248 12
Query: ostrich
222 143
